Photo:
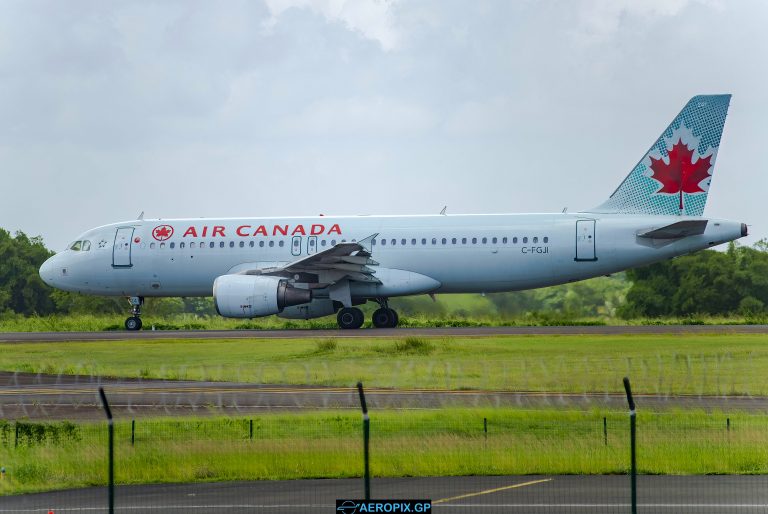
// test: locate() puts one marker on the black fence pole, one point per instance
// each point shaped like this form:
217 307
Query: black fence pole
133 432
111 427
633 447
250 429
605 430
366 441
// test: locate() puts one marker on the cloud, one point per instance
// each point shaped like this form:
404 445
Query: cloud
359 117
373 19
600 20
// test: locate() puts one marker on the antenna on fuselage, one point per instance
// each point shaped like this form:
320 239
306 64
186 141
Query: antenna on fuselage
565 209
442 213
141 216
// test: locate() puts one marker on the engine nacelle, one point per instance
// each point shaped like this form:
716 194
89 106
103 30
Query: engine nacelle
314 309
251 296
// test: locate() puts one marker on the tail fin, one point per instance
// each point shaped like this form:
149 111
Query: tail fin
673 177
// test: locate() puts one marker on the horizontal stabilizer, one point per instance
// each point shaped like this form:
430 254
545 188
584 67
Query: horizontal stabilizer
677 230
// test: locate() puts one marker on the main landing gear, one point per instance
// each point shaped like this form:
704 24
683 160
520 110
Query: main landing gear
352 317
134 322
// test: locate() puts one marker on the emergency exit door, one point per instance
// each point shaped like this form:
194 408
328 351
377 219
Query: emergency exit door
121 251
585 240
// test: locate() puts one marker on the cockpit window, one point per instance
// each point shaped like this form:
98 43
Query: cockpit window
76 246
86 246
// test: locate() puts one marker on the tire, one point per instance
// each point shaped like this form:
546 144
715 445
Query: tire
395 318
382 318
350 318
133 323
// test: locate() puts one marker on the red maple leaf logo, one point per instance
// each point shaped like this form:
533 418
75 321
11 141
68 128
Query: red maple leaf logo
681 175
162 232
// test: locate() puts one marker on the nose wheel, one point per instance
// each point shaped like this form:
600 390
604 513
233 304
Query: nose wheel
134 322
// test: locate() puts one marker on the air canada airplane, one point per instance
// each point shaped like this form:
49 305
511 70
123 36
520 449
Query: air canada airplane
308 267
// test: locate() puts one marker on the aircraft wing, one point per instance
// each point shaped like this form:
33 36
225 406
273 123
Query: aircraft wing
677 230
349 260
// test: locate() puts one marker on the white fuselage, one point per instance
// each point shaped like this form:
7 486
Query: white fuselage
463 253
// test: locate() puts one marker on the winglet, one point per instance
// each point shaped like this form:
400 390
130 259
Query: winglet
367 242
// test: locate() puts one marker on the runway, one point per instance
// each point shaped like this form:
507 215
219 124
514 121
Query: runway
483 495
47 397
26 337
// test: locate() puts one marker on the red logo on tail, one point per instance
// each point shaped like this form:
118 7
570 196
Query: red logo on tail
681 175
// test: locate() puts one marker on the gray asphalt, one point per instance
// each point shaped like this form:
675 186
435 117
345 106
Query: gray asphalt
39 396
21 337
491 495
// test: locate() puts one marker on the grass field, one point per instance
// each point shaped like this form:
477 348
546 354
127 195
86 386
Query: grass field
329 444
661 364
96 323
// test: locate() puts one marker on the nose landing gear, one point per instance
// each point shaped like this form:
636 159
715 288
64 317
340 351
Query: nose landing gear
134 322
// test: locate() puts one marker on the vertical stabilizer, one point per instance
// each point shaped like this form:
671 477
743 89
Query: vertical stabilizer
674 176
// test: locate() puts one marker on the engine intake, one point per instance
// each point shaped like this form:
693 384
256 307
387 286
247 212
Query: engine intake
249 296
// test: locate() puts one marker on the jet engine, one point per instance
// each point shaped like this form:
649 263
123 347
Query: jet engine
251 296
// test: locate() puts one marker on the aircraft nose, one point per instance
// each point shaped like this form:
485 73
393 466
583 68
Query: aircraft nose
47 272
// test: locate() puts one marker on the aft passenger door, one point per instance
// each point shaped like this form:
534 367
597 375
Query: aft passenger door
585 240
121 251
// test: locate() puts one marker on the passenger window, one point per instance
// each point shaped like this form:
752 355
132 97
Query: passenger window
463 240
485 240
191 245
413 241
373 242
251 244
424 241
514 240
211 244
525 240
322 243
172 245
434 240
221 244
504 240
76 246
474 240
261 244
444 240
546 239
383 242
394 242
494 240
536 239
231 244
182 245
151 246
333 242
281 244
162 245
403 242
271 244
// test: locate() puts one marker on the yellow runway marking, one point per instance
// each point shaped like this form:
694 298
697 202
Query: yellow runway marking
489 491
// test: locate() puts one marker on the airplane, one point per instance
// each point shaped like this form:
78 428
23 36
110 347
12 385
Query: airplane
309 267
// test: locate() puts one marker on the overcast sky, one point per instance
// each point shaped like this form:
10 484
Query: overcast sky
294 107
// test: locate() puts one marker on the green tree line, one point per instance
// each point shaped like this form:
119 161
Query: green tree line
709 282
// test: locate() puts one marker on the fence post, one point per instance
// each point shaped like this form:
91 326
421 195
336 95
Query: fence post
133 432
605 430
250 429
366 441
728 424
111 428
632 437
485 427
